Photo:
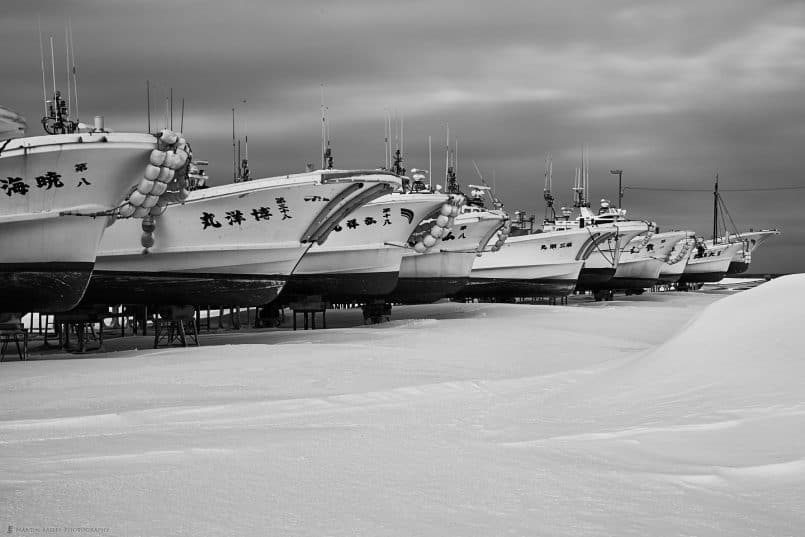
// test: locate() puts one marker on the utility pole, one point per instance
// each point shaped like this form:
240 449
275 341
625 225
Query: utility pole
619 173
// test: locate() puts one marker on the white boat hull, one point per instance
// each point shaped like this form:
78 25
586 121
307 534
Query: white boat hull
46 258
743 258
361 259
712 266
232 245
538 264
642 260
445 270
602 263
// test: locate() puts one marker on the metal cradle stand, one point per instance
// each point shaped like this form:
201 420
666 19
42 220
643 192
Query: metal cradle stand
175 325
13 332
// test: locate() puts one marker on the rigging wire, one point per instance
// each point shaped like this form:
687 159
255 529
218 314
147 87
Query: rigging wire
756 189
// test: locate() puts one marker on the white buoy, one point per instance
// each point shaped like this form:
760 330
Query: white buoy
126 211
437 231
442 220
165 175
420 247
159 188
139 212
157 157
168 137
152 172
446 209
137 198
429 240
145 186
150 201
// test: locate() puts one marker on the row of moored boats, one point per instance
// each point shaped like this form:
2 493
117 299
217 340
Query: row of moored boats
89 216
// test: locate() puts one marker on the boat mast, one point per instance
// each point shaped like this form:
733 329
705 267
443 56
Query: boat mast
234 152
586 177
148 103
550 212
239 177
67 62
619 173
53 65
430 165
42 61
447 155
75 71
323 130
715 210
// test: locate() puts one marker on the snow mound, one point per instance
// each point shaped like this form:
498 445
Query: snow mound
745 347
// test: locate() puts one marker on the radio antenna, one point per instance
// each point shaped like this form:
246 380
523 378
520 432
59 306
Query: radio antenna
75 71
67 60
42 61
148 102
234 154
53 66
430 165
170 109
446 154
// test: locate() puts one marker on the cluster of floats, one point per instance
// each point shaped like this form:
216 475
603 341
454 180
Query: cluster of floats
91 218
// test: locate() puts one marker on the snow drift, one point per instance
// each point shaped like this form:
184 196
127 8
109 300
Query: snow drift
665 414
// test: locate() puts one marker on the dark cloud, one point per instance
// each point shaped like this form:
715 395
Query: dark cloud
670 92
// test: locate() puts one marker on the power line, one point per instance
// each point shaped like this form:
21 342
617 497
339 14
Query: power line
757 189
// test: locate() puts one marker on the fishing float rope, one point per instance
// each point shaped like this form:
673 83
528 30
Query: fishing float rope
503 234
426 236
164 181
683 252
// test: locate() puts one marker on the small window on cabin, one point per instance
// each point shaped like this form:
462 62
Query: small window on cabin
553 246
544 247
570 245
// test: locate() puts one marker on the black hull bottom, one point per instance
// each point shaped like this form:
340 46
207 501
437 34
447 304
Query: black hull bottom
738 267
42 287
706 277
500 288
172 288
628 284
340 288
591 279
666 279
426 290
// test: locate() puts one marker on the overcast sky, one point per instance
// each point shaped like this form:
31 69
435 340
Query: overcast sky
671 92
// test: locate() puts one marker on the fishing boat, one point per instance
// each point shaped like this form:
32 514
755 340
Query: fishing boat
57 193
233 244
751 240
549 260
616 229
709 261
674 266
643 259
362 260
445 270
538 264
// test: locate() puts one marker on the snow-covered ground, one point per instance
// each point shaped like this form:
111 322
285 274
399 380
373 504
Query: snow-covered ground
665 414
